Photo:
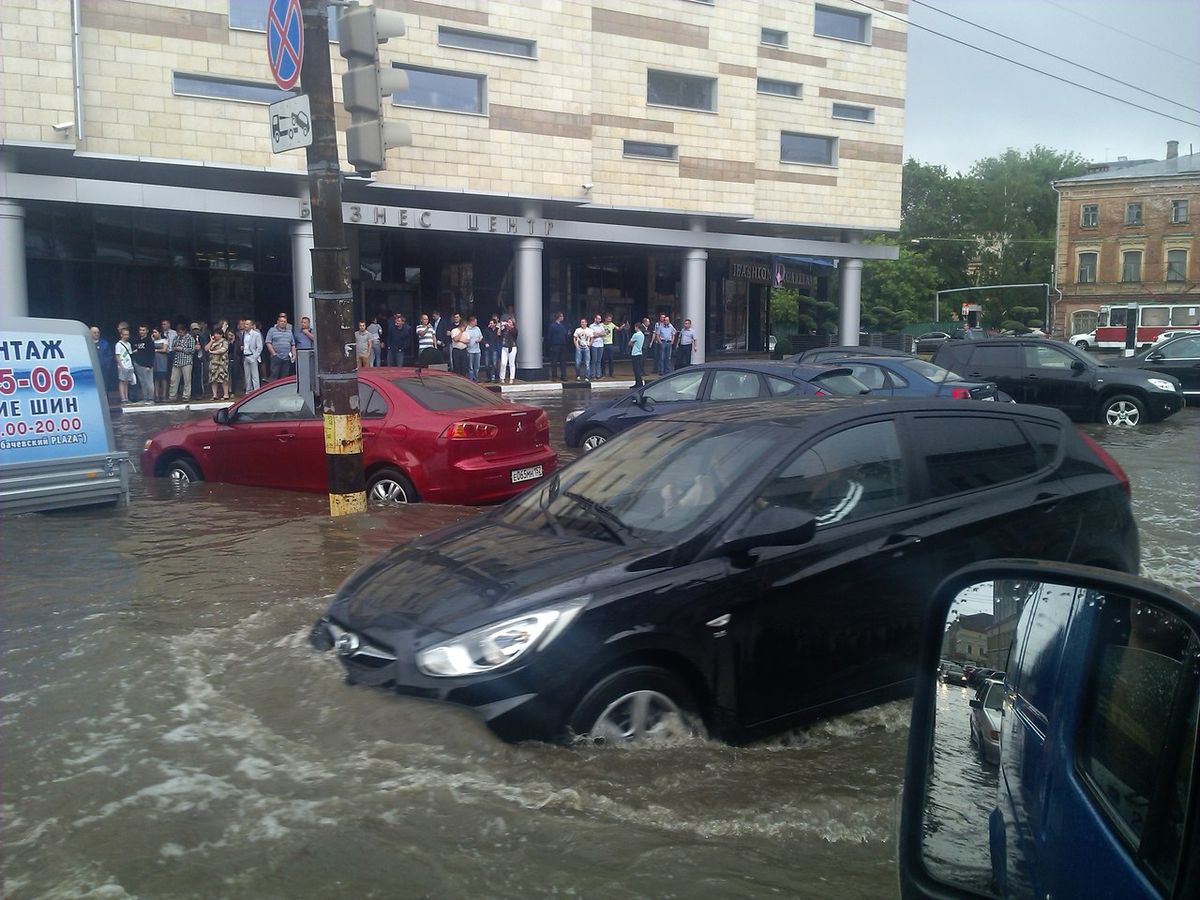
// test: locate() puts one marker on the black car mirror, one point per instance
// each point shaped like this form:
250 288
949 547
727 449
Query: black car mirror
1078 365
645 403
1104 709
221 417
773 526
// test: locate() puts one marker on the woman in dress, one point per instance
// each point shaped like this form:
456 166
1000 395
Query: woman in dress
162 366
218 365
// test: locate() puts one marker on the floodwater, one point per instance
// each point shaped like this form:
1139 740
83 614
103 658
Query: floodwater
168 732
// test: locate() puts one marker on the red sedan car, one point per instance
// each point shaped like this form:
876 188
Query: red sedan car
427 435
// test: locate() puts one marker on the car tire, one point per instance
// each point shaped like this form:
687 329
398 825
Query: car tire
1122 411
182 471
634 705
1082 345
391 486
593 438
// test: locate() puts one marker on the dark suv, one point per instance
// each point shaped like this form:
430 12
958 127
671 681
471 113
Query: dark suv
746 567
1051 373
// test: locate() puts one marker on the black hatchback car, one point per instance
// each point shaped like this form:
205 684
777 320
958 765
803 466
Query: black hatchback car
717 382
1053 373
738 569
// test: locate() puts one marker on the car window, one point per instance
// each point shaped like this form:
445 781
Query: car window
1047 358
965 453
443 393
371 404
850 475
1184 348
841 382
734 386
675 388
781 387
872 376
1046 440
1138 729
994 699
995 357
278 403
936 374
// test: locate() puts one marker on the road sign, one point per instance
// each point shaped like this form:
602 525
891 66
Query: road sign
285 41
291 123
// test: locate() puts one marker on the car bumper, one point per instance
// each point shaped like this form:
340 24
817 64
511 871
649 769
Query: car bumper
1163 405
146 461
480 480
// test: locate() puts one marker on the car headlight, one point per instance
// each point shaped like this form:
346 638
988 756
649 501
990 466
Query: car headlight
574 414
1161 384
493 646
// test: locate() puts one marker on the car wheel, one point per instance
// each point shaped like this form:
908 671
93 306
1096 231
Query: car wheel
594 438
1082 345
182 471
636 705
1122 411
391 486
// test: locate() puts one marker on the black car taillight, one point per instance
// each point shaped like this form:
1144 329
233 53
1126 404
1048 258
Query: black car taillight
1109 463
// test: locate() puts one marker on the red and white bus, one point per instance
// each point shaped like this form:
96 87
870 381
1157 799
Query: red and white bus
1152 320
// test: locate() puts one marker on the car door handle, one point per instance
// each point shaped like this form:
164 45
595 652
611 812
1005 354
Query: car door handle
900 541
283 436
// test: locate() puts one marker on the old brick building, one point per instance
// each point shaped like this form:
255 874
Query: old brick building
1127 234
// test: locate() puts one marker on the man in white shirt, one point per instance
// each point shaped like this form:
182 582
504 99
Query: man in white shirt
252 348
687 343
582 337
597 346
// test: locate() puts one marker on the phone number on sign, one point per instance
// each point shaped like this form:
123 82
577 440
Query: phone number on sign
40 379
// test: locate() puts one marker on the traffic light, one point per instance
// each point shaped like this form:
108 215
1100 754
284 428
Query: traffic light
361 29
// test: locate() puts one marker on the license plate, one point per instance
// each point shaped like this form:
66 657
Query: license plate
529 474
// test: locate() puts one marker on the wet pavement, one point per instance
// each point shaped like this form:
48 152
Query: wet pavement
169 733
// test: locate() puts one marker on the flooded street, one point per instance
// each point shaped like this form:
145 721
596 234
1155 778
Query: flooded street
168 731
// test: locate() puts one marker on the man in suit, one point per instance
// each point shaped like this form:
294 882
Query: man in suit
252 348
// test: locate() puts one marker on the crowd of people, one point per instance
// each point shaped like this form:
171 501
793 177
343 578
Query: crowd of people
214 360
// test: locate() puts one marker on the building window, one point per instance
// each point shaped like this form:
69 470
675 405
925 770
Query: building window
774 38
1131 265
227 88
451 91
647 150
486 43
251 15
842 25
779 88
1083 321
687 91
808 148
1133 214
1179 212
1176 265
855 113
1089 215
1087 268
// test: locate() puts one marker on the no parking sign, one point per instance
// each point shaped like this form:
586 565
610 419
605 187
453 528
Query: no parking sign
285 41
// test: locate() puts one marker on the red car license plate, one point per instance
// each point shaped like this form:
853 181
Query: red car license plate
529 474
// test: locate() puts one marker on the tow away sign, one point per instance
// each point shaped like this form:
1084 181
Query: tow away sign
291 124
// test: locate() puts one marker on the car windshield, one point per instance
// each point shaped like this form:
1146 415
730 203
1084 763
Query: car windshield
655 480
936 374
442 393
841 382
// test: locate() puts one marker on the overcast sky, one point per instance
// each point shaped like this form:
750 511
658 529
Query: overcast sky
964 105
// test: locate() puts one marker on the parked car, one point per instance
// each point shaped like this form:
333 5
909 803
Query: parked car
888 376
732 382
1178 357
427 435
1097 794
740 568
929 341
1053 373
985 719
1084 341
832 354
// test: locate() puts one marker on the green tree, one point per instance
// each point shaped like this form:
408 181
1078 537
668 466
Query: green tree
905 285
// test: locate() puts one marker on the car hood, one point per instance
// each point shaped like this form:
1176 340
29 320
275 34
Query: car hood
1129 373
471 574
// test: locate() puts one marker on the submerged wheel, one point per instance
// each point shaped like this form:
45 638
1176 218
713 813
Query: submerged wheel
1122 411
636 705
390 486
594 438
182 471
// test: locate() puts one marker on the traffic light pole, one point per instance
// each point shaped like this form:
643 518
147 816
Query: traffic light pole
333 300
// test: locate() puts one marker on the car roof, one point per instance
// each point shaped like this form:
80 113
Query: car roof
763 365
862 350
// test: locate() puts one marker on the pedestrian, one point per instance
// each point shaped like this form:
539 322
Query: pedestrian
362 346
441 331
375 338
508 350
474 347
495 344
236 370
636 341
218 365
199 363
123 360
458 346
688 344
557 339
305 339
583 350
108 362
183 358
606 360
597 348
143 363
399 335
252 349
162 365
427 351
664 333
281 348
167 332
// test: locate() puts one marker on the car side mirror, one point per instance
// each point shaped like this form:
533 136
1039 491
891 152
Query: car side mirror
773 526
1154 356
1102 671
1078 365
645 403
221 417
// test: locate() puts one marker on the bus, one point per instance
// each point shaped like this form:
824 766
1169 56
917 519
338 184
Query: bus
1152 320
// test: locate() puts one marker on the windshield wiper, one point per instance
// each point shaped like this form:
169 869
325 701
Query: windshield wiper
605 516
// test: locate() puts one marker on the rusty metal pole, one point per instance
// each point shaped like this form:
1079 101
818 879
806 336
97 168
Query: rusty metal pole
333 300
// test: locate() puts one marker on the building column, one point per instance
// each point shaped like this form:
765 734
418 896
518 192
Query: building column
850 297
695 283
302 271
528 271
14 291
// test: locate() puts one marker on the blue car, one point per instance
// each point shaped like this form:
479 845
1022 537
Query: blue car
898 376
706 383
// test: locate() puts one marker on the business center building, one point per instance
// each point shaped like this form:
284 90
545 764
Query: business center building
624 156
